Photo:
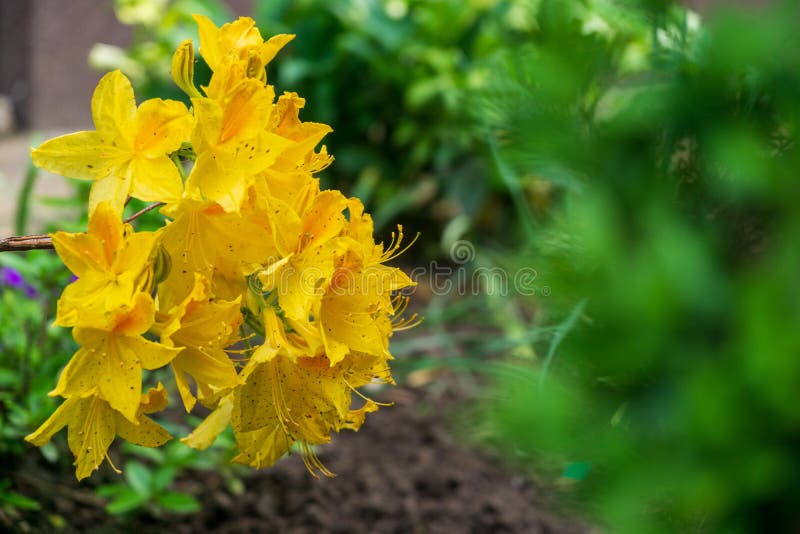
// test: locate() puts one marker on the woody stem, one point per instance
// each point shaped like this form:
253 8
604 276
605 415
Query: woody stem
144 210
26 242
44 242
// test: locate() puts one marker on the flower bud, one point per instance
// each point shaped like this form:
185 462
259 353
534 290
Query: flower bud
183 68
255 67
162 265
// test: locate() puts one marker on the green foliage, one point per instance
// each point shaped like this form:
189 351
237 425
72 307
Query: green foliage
11 501
669 402
159 26
31 354
390 75
148 485
33 351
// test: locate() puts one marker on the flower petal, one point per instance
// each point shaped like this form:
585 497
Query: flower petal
79 155
212 426
112 189
161 127
156 180
147 433
114 109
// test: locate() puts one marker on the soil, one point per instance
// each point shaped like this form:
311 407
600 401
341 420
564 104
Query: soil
403 472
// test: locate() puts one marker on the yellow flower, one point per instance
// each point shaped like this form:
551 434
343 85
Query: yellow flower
110 360
232 144
182 70
355 314
92 425
128 154
284 401
300 157
251 248
205 240
203 329
240 38
112 264
307 240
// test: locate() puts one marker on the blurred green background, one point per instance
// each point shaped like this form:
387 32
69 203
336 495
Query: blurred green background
623 175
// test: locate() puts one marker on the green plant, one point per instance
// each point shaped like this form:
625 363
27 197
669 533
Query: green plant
148 489
33 351
149 485
11 501
29 354
391 75
666 402
158 26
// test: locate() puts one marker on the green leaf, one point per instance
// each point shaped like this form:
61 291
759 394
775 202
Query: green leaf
138 477
19 501
126 501
561 332
178 453
61 202
163 477
155 455
50 452
111 490
181 503
8 377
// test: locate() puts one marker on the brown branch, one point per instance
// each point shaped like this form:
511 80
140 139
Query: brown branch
144 210
26 242
44 242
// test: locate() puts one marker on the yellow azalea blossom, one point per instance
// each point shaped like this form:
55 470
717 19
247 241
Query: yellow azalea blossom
182 70
110 360
306 136
93 424
224 81
358 312
206 240
240 38
285 401
309 242
112 264
203 329
290 177
279 339
212 426
232 145
355 313
309 399
269 297
128 154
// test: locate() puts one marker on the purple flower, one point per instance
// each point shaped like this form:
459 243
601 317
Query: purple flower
11 277
30 291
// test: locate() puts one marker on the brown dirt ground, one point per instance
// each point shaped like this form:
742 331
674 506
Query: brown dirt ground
404 472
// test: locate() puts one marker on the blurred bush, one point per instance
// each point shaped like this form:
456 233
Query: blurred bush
393 78
669 364
389 76
159 26
31 353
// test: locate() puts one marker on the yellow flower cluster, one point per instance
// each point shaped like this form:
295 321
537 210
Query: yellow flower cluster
267 297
